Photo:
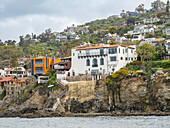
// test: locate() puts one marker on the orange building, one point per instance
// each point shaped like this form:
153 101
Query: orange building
41 65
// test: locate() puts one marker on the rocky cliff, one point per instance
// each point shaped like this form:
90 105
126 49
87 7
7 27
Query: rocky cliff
134 95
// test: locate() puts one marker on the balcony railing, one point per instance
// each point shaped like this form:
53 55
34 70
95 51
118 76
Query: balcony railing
94 65
39 72
92 54
60 67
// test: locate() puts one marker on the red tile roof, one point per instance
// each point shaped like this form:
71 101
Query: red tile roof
9 69
102 46
158 39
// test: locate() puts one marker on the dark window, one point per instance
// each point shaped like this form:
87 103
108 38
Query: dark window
95 63
126 58
112 50
39 70
39 61
131 51
123 51
121 58
101 61
113 58
101 51
126 50
119 50
73 54
132 59
87 62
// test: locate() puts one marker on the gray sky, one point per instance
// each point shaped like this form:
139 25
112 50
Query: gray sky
21 17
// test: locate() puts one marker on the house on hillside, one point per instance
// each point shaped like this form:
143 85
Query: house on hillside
63 67
151 20
132 14
166 31
101 59
17 71
41 65
142 29
15 87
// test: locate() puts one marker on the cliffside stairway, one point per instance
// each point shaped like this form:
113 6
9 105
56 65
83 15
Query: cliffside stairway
65 89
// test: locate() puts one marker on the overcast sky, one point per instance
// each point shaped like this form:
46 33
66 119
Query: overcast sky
21 17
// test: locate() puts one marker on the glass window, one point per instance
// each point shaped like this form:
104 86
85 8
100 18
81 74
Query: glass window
38 61
121 58
87 62
112 50
131 51
123 51
119 50
95 63
101 51
101 61
113 58
126 50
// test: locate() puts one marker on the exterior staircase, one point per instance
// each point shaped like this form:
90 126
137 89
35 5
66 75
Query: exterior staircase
65 89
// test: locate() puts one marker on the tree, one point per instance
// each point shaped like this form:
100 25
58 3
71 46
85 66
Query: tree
112 30
140 8
158 5
130 20
146 51
10 42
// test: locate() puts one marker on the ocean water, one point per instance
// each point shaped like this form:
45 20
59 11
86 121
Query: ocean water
89 122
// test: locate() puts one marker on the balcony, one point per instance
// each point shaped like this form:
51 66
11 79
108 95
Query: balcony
94 65
39 72
92 54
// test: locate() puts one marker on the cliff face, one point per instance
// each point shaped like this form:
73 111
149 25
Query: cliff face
136 95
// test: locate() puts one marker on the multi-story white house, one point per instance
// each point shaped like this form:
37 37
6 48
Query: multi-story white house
101 59
143 29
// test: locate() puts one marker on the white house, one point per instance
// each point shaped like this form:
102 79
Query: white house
142 29
101 59
166 31
18 71
138 37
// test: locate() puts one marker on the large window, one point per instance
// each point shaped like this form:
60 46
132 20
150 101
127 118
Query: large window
38 61
95 63
87 62
113 58
101 51
101 61
112 50
38 70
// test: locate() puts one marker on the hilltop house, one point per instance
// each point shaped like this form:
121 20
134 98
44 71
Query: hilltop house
132 14
71 29
101 59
